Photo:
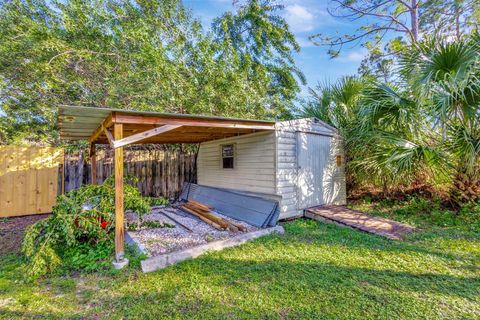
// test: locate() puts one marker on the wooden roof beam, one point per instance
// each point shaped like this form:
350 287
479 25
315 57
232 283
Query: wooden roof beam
110 139
232 124
144 135
106 123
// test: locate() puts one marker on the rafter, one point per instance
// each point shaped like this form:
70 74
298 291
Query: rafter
111 141
233 124
144 135
107 123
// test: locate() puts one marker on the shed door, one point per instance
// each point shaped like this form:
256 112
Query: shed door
313 154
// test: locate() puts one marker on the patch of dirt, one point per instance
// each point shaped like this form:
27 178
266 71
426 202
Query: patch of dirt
12 230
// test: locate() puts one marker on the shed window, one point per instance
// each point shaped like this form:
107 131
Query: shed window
228 152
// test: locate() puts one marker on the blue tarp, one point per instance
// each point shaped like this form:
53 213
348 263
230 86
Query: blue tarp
259 210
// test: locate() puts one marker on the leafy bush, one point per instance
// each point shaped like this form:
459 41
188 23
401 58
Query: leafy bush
158 201
80 229
148 224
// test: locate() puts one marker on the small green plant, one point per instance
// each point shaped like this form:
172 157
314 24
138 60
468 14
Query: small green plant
147 224
80 230
158 201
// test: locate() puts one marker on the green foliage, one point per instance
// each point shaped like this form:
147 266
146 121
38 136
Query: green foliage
144 55
158 201
424 212
260 38
88 258
148 224
422 129
80 230
432 274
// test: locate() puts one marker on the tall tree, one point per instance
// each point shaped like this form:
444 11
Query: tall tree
449 18
136 54
392 26
381 18
424 128
260 38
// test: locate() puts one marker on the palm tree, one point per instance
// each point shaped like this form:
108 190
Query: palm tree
426 125
448 75
336 103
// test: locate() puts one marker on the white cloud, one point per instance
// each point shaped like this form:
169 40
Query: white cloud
354 56
299 18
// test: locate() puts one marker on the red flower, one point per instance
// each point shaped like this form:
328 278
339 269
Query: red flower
104 224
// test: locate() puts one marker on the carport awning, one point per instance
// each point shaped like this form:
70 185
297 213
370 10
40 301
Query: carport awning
123 127
95 125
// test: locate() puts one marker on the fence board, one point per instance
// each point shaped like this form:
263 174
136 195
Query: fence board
28 179
159 172
29 176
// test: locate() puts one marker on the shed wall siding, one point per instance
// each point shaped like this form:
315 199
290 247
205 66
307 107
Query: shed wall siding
254 166
286 175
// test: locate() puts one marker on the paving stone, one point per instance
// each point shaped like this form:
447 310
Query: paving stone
359 220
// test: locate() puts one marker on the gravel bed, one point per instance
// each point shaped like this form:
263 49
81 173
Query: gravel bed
165 240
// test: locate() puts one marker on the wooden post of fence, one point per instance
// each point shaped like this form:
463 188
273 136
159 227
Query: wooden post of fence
119 240
93 163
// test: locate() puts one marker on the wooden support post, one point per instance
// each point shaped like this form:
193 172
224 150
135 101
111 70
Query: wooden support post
93 162
119 241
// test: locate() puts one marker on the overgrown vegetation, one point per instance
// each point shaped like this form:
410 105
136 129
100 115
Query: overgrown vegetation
423 129
158 201
143 55
422 211
79 233
147 224
314 271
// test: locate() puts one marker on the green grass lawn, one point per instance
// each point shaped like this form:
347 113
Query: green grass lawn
315 271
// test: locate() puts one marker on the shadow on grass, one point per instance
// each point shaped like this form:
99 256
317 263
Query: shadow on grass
215 286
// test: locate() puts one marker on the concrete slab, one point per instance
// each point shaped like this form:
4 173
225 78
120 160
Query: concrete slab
140 248
342 216
165 260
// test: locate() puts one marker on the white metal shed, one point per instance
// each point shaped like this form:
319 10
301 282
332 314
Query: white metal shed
302 161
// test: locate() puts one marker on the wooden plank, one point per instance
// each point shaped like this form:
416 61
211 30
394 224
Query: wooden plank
93 163
111 141
212 216
144 135
3 181
200 205
138 119
119 209
201 217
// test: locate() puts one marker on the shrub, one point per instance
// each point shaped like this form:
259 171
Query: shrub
158 201
80 229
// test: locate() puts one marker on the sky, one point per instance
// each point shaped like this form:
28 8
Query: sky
305 18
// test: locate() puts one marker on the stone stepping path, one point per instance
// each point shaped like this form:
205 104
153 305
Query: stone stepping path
359 220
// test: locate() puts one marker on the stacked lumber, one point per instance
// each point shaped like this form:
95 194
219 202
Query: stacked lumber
204 213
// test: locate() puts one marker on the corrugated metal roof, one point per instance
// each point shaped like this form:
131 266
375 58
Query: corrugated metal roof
79 122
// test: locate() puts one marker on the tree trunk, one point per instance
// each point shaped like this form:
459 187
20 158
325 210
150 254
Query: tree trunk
457 18
414 20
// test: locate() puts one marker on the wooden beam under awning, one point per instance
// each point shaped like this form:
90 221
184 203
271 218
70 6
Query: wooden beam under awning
144 135
143 128
106 123
148 120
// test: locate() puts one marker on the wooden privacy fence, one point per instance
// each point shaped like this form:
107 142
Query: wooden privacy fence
32 177
159 172
28 179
